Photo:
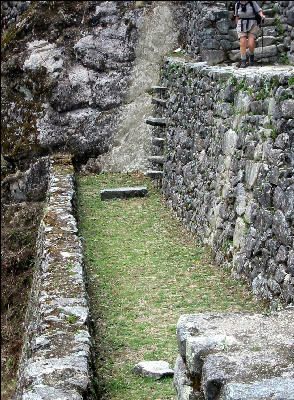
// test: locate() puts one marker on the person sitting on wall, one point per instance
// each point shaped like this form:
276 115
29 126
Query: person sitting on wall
247 14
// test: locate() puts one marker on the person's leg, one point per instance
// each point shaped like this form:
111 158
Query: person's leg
251 46
252 34
243 44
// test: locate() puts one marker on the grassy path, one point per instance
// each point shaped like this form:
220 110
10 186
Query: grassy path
145 271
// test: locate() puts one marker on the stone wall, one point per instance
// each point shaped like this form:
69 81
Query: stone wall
56 356
228 171
212 35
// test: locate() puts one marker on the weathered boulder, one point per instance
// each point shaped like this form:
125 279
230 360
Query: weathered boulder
66 67
153 369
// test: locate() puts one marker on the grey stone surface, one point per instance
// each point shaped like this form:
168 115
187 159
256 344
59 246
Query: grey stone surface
123 192
230 355
156 159
157 141
153 369
275 389
182 382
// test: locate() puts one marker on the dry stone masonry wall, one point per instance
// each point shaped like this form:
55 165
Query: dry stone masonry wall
229 162
56 355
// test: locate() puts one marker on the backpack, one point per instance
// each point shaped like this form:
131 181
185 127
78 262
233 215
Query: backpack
257 16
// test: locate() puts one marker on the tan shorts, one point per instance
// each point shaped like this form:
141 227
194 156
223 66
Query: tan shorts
254 32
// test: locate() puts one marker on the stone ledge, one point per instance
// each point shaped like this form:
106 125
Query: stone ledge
226 71
235 356
123 193
56 355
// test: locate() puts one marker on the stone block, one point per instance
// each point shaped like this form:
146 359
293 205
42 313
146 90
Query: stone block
223 26
213 57
267 51
280 388
157 141
154 174
153 369
157 159
210 44
287 108
226 351
182 382
123 193
156 121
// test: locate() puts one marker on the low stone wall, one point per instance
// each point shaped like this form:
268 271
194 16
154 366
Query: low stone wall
228 170
56 355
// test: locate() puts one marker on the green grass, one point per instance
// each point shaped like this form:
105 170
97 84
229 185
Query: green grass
145 270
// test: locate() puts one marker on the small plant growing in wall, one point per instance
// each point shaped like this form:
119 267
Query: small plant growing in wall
71 319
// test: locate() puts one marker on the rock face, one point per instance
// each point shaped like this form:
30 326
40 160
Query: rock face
66 67
235 356
75 76
228 169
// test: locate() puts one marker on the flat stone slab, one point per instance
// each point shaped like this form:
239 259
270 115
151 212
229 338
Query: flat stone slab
156 159
236 356
159 89
157 141
153 369
156 121
123 193
154 174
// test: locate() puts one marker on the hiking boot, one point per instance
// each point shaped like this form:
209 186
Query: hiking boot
251 60
243 64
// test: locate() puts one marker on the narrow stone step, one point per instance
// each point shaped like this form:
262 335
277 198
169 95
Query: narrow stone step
156 159
154 174
161 102
157 141
159 89
156 121
269 12
123 192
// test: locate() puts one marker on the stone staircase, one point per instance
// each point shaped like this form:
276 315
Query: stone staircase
158 140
